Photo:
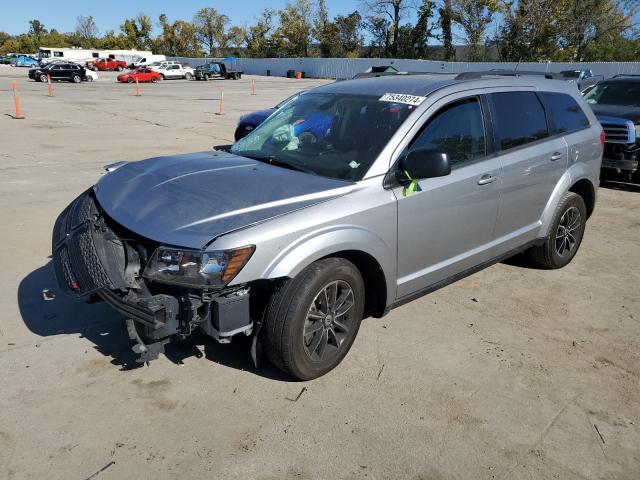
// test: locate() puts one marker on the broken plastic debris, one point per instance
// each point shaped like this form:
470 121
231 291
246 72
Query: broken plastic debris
48 294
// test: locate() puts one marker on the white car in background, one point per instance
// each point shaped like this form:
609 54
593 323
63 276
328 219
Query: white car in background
90 75
174 70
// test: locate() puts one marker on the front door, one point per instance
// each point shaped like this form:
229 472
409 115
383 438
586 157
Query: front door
448 227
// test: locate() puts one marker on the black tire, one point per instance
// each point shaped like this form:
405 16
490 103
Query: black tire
155 79
288 339
76 79
43 78
205 77
130 80
188 76
565 233
119 68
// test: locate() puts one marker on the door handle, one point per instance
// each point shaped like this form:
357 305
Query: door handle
487 179
556 156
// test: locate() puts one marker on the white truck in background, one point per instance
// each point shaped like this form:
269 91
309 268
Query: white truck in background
174 70
147 60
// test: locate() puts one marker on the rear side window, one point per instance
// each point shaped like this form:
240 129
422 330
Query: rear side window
564 112
520 119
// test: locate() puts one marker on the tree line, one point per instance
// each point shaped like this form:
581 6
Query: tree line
509 30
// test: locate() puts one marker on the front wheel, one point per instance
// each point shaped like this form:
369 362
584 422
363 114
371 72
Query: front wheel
565 233
119 68
187 76
205 77
312 320
44 78
130 80
155 79
76 79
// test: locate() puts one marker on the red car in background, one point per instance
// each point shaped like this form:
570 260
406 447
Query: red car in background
141 74
107 64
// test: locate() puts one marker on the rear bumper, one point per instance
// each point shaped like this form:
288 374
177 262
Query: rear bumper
620 164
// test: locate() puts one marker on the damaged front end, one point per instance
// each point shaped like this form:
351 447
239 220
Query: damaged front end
164 296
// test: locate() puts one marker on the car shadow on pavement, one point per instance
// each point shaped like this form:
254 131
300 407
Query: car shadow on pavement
106 329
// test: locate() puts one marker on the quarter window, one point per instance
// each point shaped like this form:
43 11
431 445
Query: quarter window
458 130
564 112
520 119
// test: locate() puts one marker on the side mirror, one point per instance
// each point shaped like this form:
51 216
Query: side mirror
424 163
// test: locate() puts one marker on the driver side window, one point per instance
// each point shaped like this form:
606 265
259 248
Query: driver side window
458 130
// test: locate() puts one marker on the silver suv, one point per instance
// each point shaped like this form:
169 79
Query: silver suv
350 200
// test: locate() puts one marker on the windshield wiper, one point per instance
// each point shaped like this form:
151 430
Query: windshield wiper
272 160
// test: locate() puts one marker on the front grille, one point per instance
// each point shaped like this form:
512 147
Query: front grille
75 258
618 130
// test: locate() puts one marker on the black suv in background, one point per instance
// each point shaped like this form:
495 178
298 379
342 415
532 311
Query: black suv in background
70 72
616 103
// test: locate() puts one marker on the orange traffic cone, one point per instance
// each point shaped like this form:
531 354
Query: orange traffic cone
16 101
221 105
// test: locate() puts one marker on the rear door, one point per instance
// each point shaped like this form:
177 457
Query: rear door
447 227
532 160
57 72
568 119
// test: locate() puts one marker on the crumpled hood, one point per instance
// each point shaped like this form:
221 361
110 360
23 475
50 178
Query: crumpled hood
620 111
188 200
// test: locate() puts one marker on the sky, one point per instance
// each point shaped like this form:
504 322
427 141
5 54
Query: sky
109 15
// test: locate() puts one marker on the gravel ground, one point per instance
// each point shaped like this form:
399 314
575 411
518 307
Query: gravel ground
513 373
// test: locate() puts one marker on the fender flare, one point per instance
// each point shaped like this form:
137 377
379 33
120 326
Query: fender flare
575 173
325 242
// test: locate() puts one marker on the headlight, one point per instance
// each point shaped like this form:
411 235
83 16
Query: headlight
195 268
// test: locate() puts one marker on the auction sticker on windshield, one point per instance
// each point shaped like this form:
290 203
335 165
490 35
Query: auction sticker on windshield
402 98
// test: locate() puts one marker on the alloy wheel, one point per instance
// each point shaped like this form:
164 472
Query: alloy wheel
567 233
328 320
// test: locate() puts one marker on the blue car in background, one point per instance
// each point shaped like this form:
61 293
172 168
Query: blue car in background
25 61
250 121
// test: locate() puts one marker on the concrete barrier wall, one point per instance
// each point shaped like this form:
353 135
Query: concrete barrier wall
343 68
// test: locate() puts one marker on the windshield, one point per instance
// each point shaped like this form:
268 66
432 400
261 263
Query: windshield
333 135
570 74
618 93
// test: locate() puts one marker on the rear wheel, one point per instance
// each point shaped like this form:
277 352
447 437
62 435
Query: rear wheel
205 77
312 320
155 79
565 234
130 80
119 68
76 79
188 76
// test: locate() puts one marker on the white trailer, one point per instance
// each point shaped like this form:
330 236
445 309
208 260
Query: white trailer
46 54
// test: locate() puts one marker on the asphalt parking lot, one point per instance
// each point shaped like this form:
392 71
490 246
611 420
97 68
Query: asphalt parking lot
513 373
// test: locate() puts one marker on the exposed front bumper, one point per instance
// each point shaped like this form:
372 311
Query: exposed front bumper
91 259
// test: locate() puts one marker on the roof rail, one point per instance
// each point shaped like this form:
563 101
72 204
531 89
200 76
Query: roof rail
506 73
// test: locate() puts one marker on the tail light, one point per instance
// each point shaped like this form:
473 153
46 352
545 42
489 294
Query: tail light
603 137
